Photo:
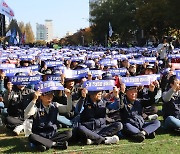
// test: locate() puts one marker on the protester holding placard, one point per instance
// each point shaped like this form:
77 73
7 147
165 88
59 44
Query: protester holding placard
16 99
44 111
93 128
131 114
171 104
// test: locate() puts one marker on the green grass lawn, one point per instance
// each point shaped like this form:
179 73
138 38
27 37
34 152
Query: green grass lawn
162 144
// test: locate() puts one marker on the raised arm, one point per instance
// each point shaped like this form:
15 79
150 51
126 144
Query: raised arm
65 108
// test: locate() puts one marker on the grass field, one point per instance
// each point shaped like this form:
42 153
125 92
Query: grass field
164 143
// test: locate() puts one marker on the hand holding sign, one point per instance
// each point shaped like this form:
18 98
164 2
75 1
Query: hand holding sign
9 86
176 86
116 92
36 95
84 92
151 87
67 92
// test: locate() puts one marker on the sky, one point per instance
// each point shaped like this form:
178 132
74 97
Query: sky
67 15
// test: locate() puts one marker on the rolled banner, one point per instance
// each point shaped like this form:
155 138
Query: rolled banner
25 80
136 81
98 85
47 86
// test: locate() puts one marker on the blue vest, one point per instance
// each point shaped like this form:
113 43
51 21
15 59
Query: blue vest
44 124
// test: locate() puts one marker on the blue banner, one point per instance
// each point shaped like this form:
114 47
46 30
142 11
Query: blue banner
108 62
13 71
25 80
7 66
47 86
76 74
98 85
32 67
53 63
136 81
136 61
149 59
119 71
26 57
96 73
53 77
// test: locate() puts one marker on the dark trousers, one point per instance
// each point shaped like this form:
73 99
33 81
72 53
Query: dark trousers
58 137
98 136
148 127
12 122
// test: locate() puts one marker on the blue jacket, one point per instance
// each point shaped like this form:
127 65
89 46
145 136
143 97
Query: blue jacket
93 115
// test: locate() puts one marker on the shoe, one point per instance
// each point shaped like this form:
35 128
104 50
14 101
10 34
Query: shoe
111 140
41 148
89 142
151 136
61 145
152 117
177 130
17 130
139 137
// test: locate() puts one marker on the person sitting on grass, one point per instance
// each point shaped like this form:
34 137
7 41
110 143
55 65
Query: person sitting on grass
171 105
44 128
93 111
131 111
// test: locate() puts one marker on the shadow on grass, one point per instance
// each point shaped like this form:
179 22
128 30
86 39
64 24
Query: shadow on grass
14 145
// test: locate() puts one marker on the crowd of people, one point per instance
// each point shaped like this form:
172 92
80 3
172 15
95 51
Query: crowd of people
100 94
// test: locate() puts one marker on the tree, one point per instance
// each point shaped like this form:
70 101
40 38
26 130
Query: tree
29 34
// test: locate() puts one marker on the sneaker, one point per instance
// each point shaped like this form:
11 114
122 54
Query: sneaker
139 137
111 140
61 145
177 130
151 136
152 117
89 142
17 130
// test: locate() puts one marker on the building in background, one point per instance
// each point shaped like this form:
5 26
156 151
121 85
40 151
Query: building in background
41 32
44 32
49 29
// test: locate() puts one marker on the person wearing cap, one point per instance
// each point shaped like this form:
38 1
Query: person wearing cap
150 112
132 70
92 128
131 110
16 99
171 104
44 128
